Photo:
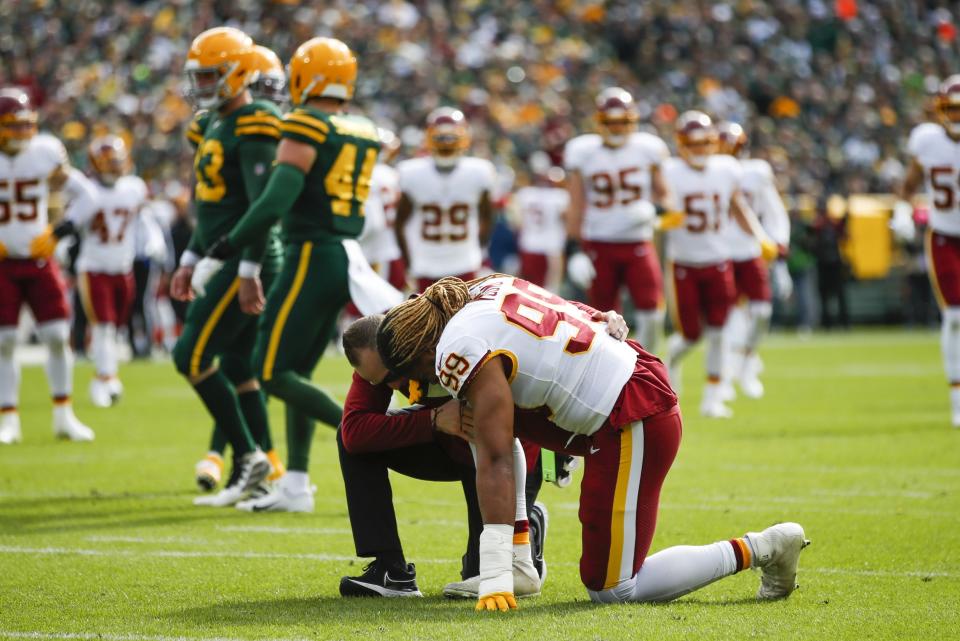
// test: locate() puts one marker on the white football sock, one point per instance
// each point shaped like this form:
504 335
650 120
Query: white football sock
9 368
648 323
103 349
677 348
297 482
673 572
55 335
714 360
950 343
758 323
520 480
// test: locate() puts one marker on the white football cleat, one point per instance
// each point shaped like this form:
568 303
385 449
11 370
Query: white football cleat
282 498
778 554
116 389
254 468
749 381
100 393
955 420
67 426
727 392
10 428
208 471
526 583
712 406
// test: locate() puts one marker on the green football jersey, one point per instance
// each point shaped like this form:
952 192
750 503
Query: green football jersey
331 203
197 126
220 195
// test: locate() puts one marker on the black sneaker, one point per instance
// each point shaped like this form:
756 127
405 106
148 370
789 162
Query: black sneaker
380 580
539 519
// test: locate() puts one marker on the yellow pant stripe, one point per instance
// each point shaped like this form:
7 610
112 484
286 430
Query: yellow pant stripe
619 509
210 325
931 270
673 308
284 312
83 286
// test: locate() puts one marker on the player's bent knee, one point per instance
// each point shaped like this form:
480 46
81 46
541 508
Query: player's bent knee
761 310
620 593
54 335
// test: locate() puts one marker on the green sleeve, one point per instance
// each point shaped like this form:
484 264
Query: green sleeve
282 190
256 156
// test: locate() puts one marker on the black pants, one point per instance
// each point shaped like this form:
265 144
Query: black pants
832 283
370 496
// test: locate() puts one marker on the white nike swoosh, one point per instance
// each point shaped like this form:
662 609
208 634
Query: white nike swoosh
594 450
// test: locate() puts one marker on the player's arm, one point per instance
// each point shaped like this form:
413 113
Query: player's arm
747 219
901 222
256 156
404 212
485 211
293 162
489 395
367 427
574 217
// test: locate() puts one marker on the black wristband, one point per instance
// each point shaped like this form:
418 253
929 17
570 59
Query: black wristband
222 249
660 209
570 248
65 228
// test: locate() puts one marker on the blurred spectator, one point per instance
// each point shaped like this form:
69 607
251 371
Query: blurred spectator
828 233
833 90
801 263
922 309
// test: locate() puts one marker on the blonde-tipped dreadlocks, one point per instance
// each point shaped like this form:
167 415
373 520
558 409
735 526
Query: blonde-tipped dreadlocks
415 326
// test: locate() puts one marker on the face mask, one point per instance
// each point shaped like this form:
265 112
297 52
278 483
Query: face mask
953 128
446 162
698 160
16 145
615 140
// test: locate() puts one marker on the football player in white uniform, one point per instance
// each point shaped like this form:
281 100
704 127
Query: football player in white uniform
935 148
542 208
701 277
107 228
379 240
615 188
445 213
500 343
33 170
749 320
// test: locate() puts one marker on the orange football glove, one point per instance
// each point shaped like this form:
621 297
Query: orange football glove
3 251
769 250
497 601
44 244
671 220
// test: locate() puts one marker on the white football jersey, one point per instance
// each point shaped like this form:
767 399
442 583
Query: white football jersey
561 360
378 240
939 155
443 232
107 226
25 192
760 191
541 210
616 185
704 196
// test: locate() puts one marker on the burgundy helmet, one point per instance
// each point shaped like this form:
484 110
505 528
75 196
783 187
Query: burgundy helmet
731 138
18 118
615 105
447 132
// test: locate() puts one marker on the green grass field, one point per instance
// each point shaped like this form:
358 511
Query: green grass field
853 441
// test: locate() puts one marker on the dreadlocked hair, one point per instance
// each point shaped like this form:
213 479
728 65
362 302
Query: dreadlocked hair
415 326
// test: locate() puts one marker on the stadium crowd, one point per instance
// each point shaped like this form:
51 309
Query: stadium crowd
827 89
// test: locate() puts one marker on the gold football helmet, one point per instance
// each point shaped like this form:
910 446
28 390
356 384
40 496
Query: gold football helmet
322 68
616 116
696 137
731 138
18 119
220 65
271 82
948 105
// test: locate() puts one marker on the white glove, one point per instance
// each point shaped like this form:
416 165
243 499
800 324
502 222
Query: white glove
642 213
496 568
901 222
782 282
581 271
202 273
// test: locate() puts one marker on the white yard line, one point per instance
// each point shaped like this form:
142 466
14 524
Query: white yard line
177 554
271 529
